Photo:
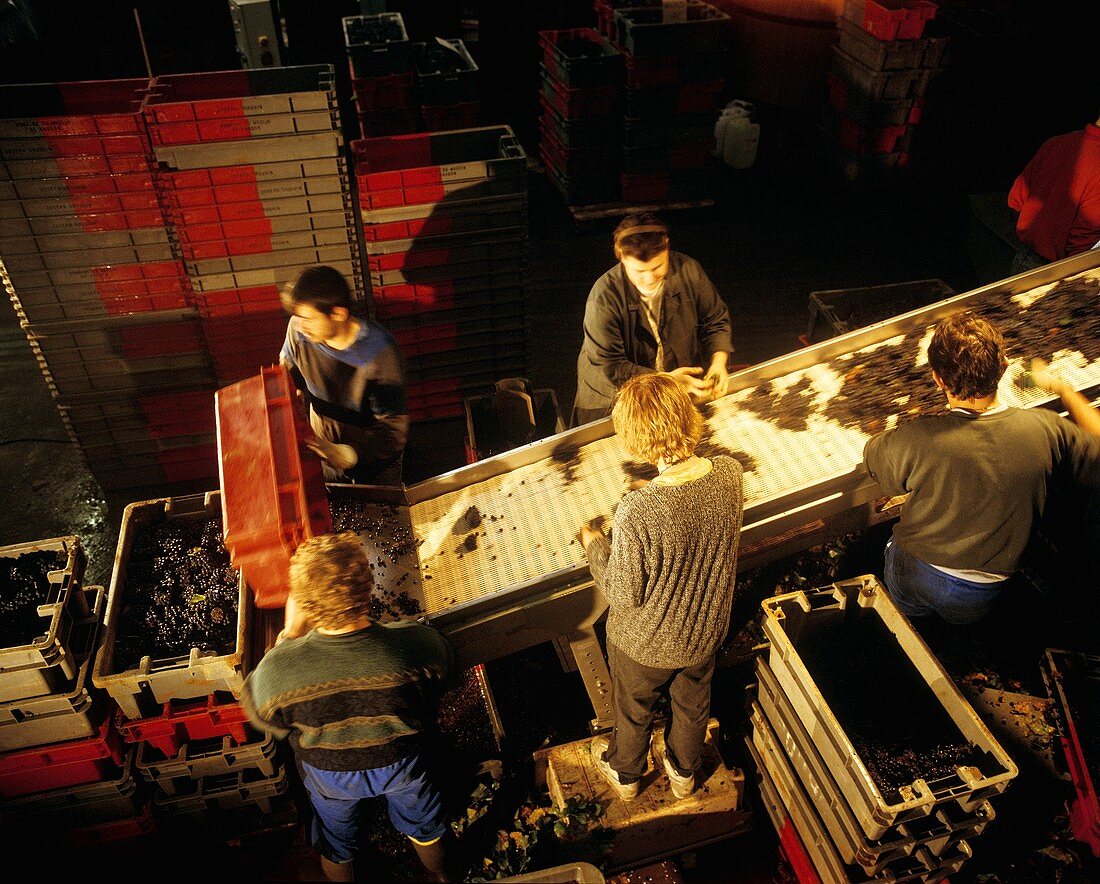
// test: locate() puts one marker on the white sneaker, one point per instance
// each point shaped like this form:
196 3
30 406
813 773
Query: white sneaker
626 791
682 787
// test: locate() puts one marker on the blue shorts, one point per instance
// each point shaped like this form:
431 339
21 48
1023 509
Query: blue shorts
918 590
415 805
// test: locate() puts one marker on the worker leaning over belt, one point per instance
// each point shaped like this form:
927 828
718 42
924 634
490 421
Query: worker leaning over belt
976 477
352 374
669 575
354 697
656 310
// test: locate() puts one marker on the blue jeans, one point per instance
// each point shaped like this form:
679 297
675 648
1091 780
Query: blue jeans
415 805
918 590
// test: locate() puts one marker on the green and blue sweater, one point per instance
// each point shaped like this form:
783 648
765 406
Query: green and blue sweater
351 702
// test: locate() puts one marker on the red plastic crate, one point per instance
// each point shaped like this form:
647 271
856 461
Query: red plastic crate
113 830
183 721
379 123
60 765
862 140
578 161
576 104
273 489
897 19
389 92
463 115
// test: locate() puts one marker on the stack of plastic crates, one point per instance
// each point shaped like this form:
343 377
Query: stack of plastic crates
673 85
252 180
65 776
828 734
177 696
101 294
878 83
446 85
1073 682
674 78
382 80
580 129
444 219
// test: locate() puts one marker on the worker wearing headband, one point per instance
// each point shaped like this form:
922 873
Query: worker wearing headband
656 310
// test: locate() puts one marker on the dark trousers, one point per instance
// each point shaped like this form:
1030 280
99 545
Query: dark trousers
635 690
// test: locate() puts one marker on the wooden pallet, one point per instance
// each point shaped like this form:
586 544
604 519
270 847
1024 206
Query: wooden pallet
655 824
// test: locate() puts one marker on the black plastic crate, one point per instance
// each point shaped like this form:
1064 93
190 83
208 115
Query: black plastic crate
645 32
377 44
445 72
580 58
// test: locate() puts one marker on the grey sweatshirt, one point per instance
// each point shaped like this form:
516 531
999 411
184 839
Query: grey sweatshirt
670 570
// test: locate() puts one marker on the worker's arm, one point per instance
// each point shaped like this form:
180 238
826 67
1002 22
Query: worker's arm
1080 410
604 345
883 463
267 721
715 330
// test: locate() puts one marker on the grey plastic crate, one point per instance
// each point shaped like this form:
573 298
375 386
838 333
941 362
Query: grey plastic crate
876 84
227 792
787 797
843 310
880 55
791 618
155 682
440 86
250 151
35 680
205 758
643 31
935 833
64 603
73 806
53 718
374 55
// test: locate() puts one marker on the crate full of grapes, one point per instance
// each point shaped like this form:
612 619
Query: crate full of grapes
40 599
177 613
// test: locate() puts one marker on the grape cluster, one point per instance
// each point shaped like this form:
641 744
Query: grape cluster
181 593
23 587
389 542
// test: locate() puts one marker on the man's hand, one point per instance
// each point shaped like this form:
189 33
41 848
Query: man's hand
1044 378
691 376
718 374
590 532
336 455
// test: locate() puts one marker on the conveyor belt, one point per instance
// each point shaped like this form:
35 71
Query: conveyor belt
530 502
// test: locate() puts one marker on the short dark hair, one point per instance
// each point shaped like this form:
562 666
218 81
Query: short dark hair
321 287
968 353
645 244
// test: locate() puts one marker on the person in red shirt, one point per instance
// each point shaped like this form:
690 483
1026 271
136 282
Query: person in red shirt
1058 198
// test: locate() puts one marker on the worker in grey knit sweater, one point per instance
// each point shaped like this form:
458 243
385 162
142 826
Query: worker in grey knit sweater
669 574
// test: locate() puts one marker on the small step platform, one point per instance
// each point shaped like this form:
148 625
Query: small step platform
655 824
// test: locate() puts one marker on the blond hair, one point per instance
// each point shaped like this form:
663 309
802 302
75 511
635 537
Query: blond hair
656 419
331 580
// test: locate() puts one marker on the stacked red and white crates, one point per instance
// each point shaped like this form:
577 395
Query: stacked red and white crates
189 733
444 221
252 181
673 76
65 775
580 129
878 83
102 295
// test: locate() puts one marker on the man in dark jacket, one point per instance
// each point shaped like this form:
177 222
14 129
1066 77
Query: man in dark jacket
976 477
354 698
656 310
